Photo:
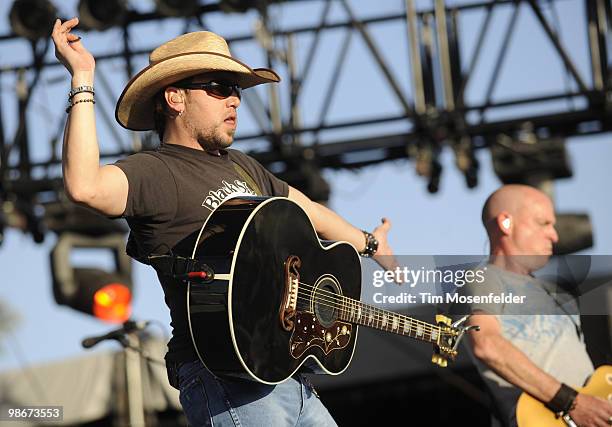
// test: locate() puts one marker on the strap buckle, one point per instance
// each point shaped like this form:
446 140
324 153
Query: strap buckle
181 268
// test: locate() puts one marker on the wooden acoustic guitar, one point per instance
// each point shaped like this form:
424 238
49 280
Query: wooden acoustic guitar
282 300
531 412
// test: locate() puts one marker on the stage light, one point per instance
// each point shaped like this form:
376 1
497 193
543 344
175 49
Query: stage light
176 7
105 295
433 185
466 161
235 6
307 178
113 303
32 19
101 15
428 164
575 233
516 161
242 6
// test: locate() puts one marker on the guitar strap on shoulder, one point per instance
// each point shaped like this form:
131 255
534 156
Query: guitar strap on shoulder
247 177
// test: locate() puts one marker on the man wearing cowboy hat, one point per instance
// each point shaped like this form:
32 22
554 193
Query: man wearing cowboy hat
189 94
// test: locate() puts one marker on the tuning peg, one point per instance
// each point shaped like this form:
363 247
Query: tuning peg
441 319
439 360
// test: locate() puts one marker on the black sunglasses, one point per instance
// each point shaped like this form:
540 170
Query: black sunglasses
216 89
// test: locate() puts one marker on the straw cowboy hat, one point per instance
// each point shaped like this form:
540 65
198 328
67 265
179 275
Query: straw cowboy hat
182 57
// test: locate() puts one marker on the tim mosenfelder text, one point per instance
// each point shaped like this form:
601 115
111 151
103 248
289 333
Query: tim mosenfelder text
429 298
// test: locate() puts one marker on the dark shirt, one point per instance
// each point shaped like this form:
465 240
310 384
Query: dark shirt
172 190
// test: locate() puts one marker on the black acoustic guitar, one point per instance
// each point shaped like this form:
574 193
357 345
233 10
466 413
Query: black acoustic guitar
281 299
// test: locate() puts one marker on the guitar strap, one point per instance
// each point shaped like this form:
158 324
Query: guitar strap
172 265
175 265
247 177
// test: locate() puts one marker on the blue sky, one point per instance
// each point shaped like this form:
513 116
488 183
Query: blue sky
444 223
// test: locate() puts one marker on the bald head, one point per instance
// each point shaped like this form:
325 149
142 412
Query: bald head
519 221
511 199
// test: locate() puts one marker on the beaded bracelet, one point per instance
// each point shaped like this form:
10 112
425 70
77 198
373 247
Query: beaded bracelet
80 89
78 102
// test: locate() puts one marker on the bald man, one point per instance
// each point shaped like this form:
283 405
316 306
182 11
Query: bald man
541 353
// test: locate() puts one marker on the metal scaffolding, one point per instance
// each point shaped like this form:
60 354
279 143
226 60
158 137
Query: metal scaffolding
433 108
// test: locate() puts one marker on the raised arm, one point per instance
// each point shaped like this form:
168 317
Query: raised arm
103 188
499 354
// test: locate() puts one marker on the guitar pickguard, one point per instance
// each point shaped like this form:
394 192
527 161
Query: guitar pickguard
308 332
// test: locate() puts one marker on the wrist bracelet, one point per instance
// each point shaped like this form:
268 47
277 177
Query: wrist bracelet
80 89
78 102
563 400
371 245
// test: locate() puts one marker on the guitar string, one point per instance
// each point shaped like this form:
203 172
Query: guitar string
346 306
403 320
402 325
402 328
346 302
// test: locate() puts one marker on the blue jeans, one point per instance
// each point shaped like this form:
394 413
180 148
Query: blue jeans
212 401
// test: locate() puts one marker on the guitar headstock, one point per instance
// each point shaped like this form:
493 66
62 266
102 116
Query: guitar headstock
450 336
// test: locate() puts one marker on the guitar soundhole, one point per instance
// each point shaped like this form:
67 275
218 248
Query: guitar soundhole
325 300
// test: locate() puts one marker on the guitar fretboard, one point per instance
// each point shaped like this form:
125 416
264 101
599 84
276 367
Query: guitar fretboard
354 311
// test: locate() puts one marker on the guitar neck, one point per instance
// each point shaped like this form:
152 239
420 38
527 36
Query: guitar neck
353 311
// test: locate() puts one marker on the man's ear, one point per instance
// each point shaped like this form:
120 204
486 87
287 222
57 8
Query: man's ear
174 99
504 222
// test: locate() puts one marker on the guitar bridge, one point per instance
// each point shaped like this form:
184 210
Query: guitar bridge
289 303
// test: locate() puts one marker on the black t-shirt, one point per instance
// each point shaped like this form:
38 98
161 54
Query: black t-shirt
172 190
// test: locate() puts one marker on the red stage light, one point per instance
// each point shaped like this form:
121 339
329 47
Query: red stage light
113 303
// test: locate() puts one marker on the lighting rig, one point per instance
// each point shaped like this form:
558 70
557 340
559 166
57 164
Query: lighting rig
441 112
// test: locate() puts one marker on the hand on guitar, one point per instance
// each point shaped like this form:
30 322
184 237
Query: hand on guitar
384 255
591 411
